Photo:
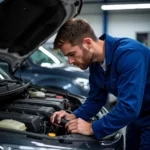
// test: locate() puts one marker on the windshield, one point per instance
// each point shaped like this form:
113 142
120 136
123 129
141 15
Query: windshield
44 57
4 71
57 53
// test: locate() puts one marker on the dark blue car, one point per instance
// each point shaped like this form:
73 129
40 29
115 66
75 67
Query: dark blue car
49 69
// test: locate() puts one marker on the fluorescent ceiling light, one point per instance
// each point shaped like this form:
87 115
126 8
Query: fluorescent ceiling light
125 6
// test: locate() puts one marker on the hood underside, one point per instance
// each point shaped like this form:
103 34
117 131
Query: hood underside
26 24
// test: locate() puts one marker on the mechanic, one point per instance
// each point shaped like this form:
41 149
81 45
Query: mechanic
126 74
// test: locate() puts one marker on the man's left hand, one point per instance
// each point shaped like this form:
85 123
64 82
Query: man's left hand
79 126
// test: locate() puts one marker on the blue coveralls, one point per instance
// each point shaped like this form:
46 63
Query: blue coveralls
127 76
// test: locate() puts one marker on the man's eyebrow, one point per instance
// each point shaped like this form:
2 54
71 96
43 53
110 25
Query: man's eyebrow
68 54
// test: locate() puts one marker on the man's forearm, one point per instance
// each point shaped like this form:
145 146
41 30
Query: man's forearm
86 110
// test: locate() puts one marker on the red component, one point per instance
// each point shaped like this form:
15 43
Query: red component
68 105
59 96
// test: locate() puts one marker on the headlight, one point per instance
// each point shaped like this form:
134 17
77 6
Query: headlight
84 83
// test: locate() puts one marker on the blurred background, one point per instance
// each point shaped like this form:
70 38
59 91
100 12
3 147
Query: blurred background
128 22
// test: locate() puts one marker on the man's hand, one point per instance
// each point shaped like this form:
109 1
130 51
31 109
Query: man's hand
79 126
61 114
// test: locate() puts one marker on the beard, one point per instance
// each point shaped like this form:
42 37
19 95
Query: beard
86 59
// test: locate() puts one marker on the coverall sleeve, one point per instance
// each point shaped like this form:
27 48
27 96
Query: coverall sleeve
132 69
96 99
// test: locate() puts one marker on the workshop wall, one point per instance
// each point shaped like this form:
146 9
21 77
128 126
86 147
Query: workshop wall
95 21
120 23
128 23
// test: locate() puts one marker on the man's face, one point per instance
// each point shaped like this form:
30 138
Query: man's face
77 55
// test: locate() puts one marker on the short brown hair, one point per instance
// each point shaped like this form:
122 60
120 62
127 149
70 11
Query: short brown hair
73 31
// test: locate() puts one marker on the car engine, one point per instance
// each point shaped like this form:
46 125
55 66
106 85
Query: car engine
33 107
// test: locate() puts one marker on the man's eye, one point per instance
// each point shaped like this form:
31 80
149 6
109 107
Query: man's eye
72 54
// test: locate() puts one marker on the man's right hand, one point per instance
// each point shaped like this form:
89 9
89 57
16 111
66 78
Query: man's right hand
61 114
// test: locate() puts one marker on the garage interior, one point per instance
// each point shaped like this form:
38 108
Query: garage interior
43 82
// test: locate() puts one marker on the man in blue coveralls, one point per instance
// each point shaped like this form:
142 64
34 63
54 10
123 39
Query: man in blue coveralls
126 74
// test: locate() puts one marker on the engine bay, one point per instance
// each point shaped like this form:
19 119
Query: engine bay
28 107
25 111
34 107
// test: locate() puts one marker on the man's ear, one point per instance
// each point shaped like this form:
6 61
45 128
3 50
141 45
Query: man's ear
87 43
85 46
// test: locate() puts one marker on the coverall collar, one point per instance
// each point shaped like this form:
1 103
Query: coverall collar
110 47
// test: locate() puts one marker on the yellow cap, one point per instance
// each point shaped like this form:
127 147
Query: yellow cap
51 134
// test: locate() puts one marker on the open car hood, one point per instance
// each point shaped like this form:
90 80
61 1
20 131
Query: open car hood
26 24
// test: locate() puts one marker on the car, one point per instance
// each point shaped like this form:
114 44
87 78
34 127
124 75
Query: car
25 109
57 53
45 69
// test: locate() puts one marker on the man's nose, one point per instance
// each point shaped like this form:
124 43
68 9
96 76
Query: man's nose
70 60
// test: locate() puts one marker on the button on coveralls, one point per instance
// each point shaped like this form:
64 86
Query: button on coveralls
127 76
